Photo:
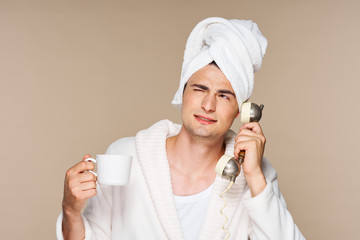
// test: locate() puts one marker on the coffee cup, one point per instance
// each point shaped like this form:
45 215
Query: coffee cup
112 169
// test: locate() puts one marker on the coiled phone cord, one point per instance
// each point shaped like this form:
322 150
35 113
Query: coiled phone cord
221 210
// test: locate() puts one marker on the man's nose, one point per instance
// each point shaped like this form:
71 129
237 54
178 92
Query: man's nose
209 103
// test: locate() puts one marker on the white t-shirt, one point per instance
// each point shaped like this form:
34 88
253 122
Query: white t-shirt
191 211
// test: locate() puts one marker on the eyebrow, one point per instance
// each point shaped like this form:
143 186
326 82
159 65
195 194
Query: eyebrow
219 91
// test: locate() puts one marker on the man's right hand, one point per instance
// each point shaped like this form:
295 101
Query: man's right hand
79 186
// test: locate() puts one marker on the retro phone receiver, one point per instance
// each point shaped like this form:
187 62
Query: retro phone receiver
228 167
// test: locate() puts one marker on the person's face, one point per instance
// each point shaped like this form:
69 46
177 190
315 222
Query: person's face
209 104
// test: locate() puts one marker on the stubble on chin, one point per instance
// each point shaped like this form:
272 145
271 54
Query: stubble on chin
201 132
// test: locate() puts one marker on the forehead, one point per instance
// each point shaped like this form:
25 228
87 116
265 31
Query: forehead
212 77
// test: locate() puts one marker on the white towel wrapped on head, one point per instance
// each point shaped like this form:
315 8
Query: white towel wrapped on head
237 47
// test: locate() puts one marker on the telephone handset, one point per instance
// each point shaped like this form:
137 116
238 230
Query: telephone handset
228 167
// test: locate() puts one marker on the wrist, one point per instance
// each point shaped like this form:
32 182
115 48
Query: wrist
73 226
256 183
69 212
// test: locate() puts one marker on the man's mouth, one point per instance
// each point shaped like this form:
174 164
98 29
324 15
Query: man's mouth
203 119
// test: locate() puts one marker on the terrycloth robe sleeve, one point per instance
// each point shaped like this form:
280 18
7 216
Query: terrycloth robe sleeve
268 214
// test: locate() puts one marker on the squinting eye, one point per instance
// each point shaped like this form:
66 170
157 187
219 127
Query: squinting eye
224 96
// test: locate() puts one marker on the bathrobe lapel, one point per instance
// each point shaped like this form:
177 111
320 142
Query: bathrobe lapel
151 150
212 226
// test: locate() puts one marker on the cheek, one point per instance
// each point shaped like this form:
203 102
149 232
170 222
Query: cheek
190 100
228 113
188 103
185 105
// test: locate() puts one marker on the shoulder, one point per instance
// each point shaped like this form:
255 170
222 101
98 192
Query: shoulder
125 145
268 170
164 126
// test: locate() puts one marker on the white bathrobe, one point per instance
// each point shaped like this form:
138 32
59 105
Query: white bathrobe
145 208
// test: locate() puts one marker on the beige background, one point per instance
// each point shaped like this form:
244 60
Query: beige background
77 75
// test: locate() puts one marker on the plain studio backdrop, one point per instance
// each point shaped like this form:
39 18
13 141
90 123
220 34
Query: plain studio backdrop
78 75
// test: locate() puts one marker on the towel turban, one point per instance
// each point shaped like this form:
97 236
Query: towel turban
236 46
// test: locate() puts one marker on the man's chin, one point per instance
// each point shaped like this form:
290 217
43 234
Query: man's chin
200 131
203 133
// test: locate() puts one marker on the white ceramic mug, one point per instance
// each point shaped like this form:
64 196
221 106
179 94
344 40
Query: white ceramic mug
112 169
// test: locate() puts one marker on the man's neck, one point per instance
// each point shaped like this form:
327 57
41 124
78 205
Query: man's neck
193 160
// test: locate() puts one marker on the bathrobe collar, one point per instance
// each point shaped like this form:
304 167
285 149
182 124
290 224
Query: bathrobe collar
151 151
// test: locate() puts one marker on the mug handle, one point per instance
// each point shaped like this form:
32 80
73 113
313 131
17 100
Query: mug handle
91 160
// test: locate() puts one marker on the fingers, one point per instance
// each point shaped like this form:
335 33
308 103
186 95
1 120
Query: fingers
76 180
246 134
80 167
87 177
250 137
86 194
253 126
245 145
77 174
76 186
87 186
86 156
245 138
79 195
79 185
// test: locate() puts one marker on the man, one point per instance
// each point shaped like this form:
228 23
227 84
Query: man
174 192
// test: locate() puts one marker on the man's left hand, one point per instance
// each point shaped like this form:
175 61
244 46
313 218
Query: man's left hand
251 139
